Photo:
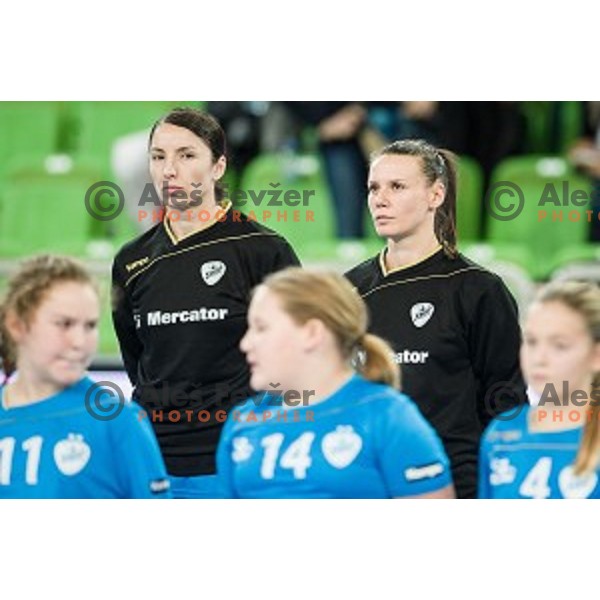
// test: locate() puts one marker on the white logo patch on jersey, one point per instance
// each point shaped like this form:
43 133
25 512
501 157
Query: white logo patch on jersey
72 454
213 271
341 447
242 449
421 313
503 473
425 472
576 487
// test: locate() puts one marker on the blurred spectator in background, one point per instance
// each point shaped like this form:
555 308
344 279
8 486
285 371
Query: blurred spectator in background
486 131
585 155
348 132
242 123
338 126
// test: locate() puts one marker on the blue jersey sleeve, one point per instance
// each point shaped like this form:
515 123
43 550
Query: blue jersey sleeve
224 466
140 466
412 456
483 486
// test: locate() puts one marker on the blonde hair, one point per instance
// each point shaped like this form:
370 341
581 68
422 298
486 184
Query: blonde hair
26 291
584 299
330 298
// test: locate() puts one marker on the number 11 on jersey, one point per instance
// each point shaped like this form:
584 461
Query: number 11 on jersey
33 447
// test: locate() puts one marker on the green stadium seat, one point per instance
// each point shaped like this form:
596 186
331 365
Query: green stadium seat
538 123
42 207
301 174
537 238
28 130
99 124
582 255
571 122
108 345
551 127
469 195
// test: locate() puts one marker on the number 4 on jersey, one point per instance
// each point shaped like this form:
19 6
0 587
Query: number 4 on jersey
535 485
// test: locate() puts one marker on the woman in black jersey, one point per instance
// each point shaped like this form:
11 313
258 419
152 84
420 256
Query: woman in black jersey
180 296
452 324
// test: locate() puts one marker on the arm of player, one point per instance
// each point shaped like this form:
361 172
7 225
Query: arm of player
412 458
139 462
447 493
494 339
483 485
285 257
123 322
224 465
273 254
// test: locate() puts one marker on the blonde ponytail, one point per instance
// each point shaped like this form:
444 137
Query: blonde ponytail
588 455
330 298
379 365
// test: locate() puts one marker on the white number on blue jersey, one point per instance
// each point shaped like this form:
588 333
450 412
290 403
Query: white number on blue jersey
271 444
296 457
535 485
7 448
33 447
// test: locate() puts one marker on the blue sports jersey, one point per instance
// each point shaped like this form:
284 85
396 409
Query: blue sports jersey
364 441
56 449
517 463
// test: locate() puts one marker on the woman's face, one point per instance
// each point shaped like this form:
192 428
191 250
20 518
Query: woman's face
182 168
57 345
274 344
557 348
401 199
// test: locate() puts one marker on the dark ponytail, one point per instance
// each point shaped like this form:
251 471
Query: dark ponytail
437 165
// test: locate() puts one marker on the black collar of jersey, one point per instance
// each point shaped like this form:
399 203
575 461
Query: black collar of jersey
422 265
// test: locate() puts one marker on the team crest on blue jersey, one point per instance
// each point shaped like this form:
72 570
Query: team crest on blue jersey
503 472
212 272
72 454
576 487
341 447
242 449
421 313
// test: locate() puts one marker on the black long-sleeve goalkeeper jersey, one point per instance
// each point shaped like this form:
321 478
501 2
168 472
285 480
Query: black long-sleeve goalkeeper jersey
454 329
179 311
